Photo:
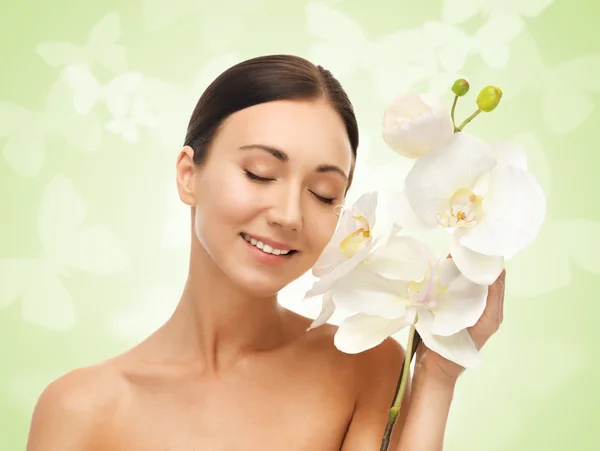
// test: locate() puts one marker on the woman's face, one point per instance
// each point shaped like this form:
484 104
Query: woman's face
273 177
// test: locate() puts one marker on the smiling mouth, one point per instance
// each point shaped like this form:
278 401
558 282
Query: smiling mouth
267 249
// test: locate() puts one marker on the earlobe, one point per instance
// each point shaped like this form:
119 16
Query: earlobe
186 170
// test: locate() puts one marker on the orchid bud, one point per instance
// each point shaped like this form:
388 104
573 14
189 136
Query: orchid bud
489 98
460 87
413 125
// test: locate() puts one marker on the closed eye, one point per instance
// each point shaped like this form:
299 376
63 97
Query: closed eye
257 178
325 200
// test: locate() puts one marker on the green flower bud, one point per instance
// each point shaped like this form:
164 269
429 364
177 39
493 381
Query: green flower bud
489 98
460 87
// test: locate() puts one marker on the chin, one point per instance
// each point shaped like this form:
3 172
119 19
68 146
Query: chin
260 285
260 282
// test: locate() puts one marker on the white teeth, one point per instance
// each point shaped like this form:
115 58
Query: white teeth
264 247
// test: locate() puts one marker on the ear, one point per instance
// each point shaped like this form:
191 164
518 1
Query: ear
186 172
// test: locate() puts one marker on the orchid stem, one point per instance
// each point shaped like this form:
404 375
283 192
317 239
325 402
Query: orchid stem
467 120
395 409
452 112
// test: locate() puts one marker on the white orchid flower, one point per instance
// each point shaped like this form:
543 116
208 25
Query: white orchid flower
484 195
413 124
349 245
402 283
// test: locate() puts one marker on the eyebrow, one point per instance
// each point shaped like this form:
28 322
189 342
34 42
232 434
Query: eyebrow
279 154
283 157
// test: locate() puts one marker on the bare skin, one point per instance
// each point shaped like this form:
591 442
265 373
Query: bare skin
300 396
232 369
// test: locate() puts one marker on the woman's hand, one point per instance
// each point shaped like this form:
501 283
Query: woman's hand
480 332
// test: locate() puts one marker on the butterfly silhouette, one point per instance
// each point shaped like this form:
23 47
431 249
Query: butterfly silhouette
563 110
88 92
219 24
68 244
127 125
101 48
157 14
24 133
491 42
460 11
124 96
171 106
395 62
549 262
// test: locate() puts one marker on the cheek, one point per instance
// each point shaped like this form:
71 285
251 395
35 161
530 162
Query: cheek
225 200
321 230
234 196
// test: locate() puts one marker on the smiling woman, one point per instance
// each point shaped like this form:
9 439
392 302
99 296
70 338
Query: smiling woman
269 155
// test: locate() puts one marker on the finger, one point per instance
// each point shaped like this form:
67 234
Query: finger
496 298
501 303
503 295
502 275
493 311
496 289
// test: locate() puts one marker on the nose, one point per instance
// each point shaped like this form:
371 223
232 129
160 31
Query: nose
286 211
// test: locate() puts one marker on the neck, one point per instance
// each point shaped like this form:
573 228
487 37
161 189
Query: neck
216 322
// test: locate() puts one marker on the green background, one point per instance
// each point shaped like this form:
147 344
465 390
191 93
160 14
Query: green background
94 241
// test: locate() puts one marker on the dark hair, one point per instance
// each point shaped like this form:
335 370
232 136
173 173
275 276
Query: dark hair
260 80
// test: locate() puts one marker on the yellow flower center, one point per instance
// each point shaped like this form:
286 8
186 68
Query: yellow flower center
354 242
462 210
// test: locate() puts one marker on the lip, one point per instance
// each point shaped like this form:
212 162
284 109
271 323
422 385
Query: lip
274 244
264 257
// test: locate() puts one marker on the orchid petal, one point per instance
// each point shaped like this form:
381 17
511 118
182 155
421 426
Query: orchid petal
435 177
447 272
479 268
507 152
459 306
332 256
458 348
361 332
320 287
327 310
515 208
402 258
328 281
366 292
403 214
366 206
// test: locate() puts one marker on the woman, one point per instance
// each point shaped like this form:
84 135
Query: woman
269 154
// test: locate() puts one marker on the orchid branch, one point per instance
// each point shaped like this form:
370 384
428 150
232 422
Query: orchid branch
467 120
413 342
452 112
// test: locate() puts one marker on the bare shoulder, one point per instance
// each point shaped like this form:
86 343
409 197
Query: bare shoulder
377 373
76 409
375 367
381 365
